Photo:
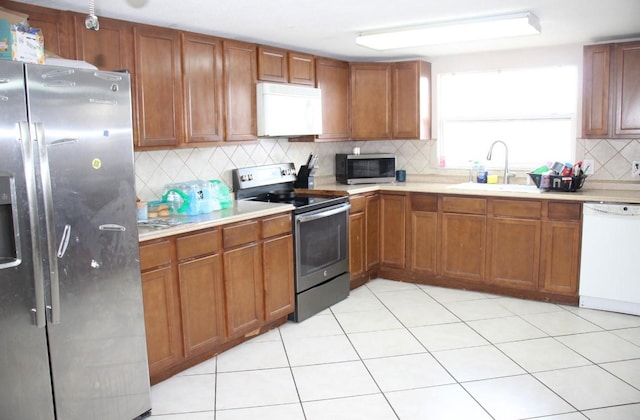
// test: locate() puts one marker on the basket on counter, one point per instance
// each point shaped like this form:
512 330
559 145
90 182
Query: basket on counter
558 182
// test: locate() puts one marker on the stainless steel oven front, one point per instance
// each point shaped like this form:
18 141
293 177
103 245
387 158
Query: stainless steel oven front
322 259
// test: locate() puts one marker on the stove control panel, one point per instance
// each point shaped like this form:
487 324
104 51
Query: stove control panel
257 176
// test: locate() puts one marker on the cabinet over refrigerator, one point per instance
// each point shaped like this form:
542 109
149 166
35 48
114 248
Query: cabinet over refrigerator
71 315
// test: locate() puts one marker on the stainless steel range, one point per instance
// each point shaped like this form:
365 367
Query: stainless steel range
320 226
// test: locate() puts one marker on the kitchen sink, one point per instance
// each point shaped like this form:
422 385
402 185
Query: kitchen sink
518 188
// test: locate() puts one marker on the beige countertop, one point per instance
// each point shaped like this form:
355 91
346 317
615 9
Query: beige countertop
585 194
240 211
246 210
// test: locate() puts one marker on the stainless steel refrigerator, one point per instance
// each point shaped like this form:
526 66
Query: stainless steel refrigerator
72 338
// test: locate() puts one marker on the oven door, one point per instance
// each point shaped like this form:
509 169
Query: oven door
322 250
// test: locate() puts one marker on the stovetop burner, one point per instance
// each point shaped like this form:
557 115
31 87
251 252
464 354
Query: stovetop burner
275 184
302 203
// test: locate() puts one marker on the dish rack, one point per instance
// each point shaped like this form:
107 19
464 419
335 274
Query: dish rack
558 182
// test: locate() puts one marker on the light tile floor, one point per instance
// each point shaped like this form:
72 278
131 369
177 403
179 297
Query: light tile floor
395 350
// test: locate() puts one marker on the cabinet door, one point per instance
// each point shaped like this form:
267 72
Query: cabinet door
240 77
202 89
333 80
411 100
202 299
392 240
514 252
463 245
158 86
356 244
243 289
302 70
424 240
371 101
423 234
561 256
627 110
596 84
372 234
110 48
272 65
277 256
161 319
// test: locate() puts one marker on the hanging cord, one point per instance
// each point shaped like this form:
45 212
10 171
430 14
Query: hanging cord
91 21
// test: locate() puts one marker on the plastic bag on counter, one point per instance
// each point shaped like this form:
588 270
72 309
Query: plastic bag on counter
221 193
197 197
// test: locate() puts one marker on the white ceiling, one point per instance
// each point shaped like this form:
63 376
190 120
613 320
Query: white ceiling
329 27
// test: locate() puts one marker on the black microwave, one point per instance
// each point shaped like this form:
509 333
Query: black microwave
366 168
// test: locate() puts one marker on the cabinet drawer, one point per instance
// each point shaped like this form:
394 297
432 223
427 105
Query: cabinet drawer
357 204
564 211
464 205
239 234
198 244
517 208
278 225
424 202
155 255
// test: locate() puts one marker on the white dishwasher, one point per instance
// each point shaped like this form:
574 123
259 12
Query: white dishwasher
610 262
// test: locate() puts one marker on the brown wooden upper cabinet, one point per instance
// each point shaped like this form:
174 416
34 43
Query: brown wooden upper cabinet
282 66
202 89
611 91
332 77
272 65
158 89
240 78
390 100
302 70
371 101
183 82
110 48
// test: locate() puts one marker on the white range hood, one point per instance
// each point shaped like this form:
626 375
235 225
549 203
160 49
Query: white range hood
288 110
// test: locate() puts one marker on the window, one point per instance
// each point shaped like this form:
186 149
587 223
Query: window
533 111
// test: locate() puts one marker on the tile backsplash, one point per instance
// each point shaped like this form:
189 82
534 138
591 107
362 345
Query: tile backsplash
154 169
612 157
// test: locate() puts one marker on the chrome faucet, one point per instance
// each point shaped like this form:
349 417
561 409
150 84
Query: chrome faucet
506 159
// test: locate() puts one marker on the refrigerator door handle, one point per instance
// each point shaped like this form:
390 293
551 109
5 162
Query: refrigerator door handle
30 181
64 241
112 227
52 252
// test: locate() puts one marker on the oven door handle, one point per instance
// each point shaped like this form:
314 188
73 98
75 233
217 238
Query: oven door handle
330 212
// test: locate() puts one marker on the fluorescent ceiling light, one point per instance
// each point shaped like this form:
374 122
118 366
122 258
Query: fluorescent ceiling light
490 27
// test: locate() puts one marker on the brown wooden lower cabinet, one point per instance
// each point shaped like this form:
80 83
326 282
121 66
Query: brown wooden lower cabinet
279 296
161 306
392 237
243 289
518 247
373 231
209 290
356 244
201 291
423 234
514 243
464 237
364 237
202 303
561 239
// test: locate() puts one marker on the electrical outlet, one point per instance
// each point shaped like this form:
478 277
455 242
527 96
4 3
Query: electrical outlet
588 166
635 169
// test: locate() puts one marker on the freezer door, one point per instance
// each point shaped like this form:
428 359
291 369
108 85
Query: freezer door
81 120
24 364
